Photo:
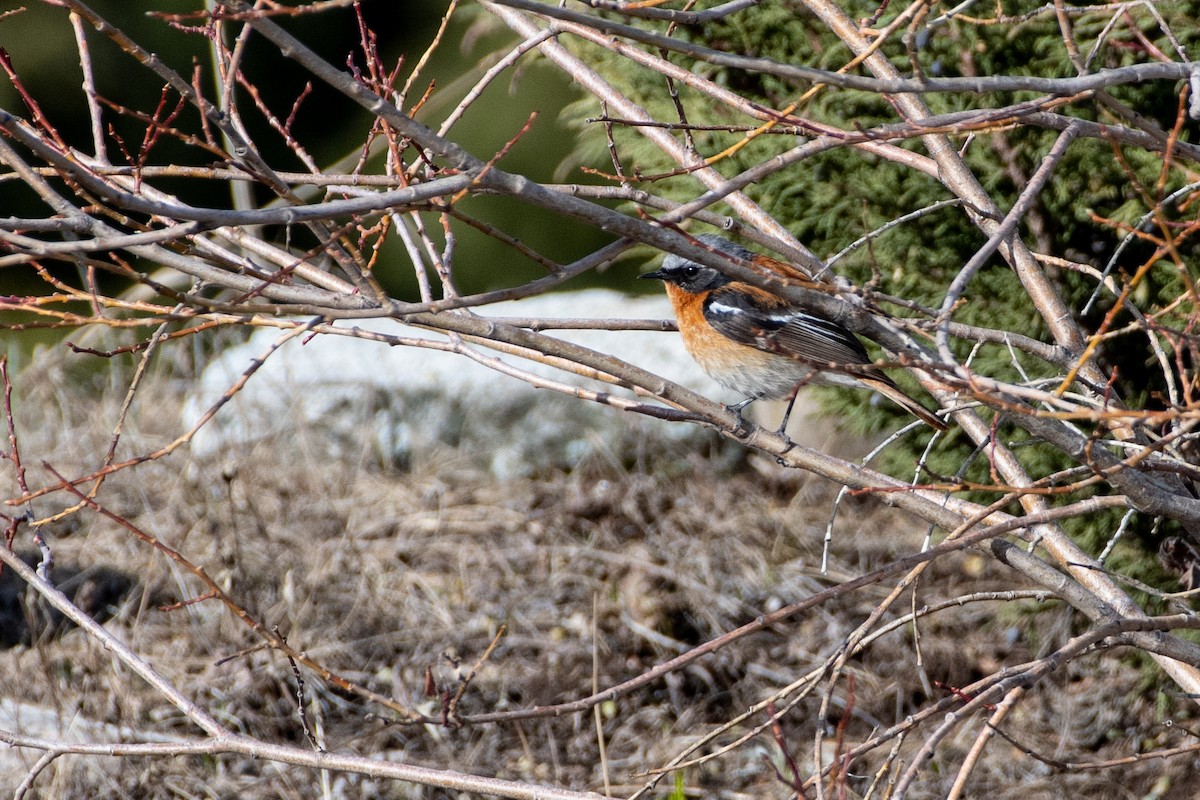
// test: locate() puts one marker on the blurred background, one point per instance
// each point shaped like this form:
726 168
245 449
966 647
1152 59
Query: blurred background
43 53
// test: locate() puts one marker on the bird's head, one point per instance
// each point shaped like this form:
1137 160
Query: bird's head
696 278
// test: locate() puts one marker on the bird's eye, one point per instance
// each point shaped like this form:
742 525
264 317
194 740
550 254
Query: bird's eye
690 272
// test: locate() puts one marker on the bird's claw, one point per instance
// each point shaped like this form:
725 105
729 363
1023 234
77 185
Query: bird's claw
744 426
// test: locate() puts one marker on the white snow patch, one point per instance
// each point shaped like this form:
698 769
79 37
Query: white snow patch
406 400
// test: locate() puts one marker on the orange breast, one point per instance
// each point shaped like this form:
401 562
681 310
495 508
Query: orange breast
742 368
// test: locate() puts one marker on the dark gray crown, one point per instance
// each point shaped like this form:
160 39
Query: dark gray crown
696 278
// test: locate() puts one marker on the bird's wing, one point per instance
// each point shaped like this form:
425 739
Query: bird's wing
762 320
757 318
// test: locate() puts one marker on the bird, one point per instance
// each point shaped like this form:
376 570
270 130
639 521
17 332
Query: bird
761 345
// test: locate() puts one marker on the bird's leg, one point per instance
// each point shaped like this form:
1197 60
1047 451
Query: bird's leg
743 428
737 408
787 412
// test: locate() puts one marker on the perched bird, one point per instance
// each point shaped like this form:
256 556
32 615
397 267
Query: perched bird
760 345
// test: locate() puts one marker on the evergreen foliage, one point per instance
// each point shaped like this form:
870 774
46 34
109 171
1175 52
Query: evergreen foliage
1097 192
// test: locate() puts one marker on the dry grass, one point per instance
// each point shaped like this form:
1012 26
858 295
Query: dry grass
598 574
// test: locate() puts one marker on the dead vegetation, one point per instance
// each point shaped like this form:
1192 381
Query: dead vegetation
400 581
663 619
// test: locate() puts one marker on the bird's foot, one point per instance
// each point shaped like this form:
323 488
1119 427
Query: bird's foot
737 408
744 426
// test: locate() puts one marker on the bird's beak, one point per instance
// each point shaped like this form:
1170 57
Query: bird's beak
654 276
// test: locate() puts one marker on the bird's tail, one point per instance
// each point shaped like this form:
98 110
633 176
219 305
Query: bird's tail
889 390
